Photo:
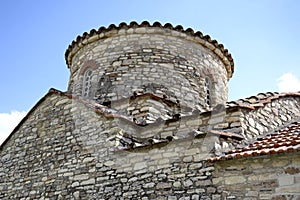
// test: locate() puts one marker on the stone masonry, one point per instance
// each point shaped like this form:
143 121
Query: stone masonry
151 59
146 117
269 177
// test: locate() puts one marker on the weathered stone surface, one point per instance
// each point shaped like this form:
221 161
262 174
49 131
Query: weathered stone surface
88 182
163 185
235 180
165 60
109 163
257 178
81 177
157 87
286 180
88 159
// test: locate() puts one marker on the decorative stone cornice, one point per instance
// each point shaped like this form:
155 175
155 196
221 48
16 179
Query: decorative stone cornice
145 27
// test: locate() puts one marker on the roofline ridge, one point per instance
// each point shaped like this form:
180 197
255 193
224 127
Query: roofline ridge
51 91
268 97
94 35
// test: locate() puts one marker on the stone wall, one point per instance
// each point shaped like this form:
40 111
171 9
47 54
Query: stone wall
248 122
66 149
165 91
148 108
197 125
272 116
158 61
266 177
63 150
170 172
49 151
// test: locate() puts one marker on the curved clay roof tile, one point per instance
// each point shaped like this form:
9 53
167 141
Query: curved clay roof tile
215 43
145 24
189 31
134 24
122 25
198 34
226 52
169 26
157 24
77 44
85 34
112 26
101 29
78 38
221 46
178 28
207 37
93 32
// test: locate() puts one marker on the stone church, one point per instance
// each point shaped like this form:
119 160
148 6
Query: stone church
146 116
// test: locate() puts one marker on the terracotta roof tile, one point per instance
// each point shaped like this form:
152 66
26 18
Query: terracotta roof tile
260 100
80 40
284 140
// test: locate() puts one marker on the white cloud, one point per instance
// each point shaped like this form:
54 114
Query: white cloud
288 82
8 121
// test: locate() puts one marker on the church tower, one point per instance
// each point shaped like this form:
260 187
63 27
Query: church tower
149 71
145 117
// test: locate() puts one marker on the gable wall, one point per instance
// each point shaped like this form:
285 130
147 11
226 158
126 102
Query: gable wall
65 150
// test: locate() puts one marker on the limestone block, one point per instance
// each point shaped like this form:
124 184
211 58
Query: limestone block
162 185
170 154
218 180
188 183
177 184
80 177
76 195
235 180
88 182
215 120
195 166
202 183
109 163
149 185
88 159
265 196
286 180
171 197
293 189
140 165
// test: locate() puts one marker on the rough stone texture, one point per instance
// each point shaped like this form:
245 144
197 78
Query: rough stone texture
156 62
254 123
270 117
64 149
268 177
151 114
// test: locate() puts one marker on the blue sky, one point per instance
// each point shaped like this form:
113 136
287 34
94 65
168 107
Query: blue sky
262 35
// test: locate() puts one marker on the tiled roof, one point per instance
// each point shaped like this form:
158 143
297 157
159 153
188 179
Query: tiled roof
260 99
94 35
284 140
